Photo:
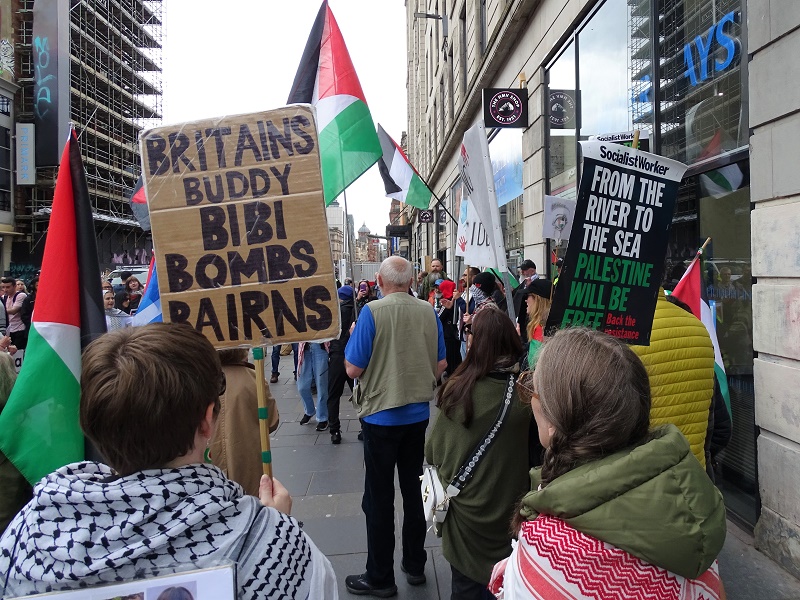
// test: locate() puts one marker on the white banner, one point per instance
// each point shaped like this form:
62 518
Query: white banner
558 216
472 242
477 177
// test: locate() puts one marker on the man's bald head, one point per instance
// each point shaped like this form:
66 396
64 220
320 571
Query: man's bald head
395 275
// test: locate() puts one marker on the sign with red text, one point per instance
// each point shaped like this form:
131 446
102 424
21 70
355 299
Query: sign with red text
239 228
615 261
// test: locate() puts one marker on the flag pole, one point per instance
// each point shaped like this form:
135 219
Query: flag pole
263 412
703 247
347 234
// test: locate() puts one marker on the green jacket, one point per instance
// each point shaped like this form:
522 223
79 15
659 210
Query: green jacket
475 534
654 501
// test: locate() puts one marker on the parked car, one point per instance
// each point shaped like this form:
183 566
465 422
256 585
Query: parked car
138 271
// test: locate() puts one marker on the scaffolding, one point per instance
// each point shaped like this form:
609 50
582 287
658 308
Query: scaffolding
640 57
115 91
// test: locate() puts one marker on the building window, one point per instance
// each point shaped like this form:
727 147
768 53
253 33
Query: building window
442 126
5 106
484 27
451 104
462 43
431 63
5 169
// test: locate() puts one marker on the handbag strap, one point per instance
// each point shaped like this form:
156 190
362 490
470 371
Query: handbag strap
467 470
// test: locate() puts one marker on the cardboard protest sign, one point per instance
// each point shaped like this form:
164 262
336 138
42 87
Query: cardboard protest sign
613 267
239 228
625 138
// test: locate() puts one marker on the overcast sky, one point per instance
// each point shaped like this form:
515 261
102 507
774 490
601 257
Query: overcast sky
240 56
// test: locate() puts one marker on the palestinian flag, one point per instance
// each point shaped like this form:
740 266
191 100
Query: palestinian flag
725 180
39 428
400 178
326 79
691 291
139 205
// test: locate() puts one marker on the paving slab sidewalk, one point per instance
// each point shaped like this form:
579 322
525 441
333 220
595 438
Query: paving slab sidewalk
327 482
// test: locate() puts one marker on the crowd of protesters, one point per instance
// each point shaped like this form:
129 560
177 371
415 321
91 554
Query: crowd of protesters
588 478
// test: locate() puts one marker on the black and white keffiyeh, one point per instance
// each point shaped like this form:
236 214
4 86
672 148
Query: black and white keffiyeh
85 526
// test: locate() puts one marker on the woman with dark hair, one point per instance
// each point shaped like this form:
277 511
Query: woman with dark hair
135 290
363 294
150 397
475 533
175 593
122 301
616 506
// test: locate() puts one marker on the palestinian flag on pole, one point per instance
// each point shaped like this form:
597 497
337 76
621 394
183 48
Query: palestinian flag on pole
400 178
326 79
39 427
691 291
139 205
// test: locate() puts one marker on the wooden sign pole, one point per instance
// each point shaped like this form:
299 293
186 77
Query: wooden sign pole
263 416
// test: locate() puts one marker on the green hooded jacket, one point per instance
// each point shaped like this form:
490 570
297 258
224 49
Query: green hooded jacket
654 502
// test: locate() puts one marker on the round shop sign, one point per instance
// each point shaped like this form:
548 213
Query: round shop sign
562 108
505 107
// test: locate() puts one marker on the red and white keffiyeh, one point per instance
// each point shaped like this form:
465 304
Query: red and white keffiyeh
553 561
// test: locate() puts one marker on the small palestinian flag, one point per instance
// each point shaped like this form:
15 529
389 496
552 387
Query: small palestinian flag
326 79
400 178
139 205
39 428
691 291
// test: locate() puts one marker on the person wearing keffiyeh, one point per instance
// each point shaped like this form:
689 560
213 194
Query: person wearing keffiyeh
480 295
149 404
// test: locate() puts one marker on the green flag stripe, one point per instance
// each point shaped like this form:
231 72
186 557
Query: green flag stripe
43 413
723 387
418 193
348 147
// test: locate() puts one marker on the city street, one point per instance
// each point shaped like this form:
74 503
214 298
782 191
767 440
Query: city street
326 483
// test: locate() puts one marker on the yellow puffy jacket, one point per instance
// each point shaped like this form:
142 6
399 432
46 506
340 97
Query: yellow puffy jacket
680 363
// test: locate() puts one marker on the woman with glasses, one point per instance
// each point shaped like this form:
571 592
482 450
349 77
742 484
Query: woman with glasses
475 533
150 399
617 510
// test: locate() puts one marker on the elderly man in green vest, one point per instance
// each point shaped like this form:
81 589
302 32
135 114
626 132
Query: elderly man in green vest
397 353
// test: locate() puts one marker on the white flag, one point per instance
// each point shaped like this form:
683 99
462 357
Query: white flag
558 216
477 177
472 241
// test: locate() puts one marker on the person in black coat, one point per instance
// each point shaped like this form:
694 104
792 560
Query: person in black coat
337 376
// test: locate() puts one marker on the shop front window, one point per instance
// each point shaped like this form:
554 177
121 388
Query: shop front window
562 125
614 69
673 69
723 214
701 112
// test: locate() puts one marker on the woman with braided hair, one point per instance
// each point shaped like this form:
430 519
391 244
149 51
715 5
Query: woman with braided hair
616 507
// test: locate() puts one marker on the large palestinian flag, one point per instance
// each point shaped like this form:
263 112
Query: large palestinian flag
326 78
691 291
400 178
39 428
